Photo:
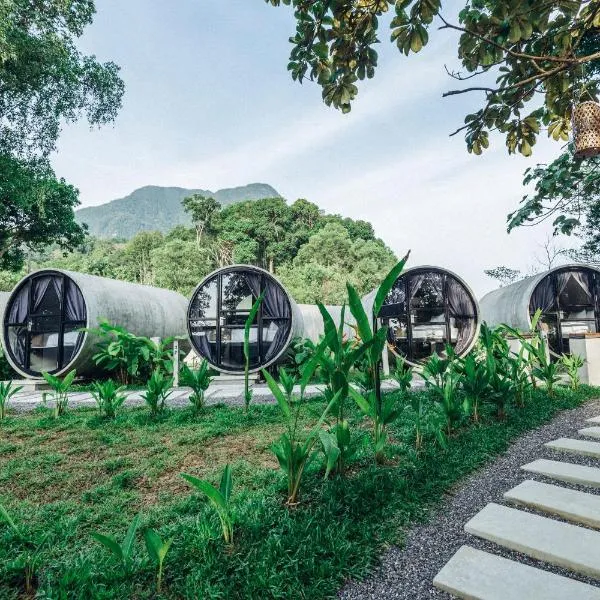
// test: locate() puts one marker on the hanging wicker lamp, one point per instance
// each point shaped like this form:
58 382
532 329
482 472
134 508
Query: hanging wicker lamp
586 129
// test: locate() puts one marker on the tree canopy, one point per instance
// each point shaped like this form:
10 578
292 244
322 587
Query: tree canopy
36 210
44 79
532 59
313 253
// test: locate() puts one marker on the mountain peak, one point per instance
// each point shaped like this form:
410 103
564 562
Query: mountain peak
158 208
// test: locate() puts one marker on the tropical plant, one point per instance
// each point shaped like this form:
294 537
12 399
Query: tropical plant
547 371
446 394
247 328
474 381
129 355
571 363
158 389
108 396
60 390
199 380
294 449
29 558
219 498
434 369
425 419
403 375
157 549
161 354
7 391
123 552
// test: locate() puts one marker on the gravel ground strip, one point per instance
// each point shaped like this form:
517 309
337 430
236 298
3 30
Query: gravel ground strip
409 572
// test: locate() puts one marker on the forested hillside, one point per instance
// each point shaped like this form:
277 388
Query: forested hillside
154 208
313 253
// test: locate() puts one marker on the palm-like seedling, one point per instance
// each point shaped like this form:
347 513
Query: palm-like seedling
474 381
572 364
219 498
122 552
157 549
294 449
158 389
198 380
109 397
60 390
7 391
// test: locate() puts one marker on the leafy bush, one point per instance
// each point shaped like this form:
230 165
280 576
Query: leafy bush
108 396
7 391
60 388
571 364
6 371
133 358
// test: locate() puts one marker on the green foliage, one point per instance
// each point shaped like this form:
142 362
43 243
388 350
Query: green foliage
157 549
572 363
108 396
534 58
294 449
247 328
36 209
203 212
198 380
444 385
402 375
475 380
219 499
61 386
7 391
122 552
30 551
131 357
158 389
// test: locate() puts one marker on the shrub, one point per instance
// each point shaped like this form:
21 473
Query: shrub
571 365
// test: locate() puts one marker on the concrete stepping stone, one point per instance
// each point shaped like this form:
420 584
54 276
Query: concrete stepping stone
477 575
561 544
564 471
582 447
593 432
572 505
593 420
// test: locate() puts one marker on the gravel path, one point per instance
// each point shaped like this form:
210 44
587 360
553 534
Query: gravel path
409 572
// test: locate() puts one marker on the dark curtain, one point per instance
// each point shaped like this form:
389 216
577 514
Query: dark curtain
414 285
275 307
40 286
543 296
74 303
584 283
18 343
460 307
205 348
18 308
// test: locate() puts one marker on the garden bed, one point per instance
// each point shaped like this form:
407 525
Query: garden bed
71 476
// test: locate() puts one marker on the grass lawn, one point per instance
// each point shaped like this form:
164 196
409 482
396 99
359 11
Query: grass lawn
78 474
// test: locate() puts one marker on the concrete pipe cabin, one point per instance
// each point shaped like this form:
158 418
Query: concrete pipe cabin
217 314
48 308
427 309
569 297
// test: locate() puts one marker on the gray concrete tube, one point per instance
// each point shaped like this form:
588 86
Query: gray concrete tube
511 304
468 344
141 309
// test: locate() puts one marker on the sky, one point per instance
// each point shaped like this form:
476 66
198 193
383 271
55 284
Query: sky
209 104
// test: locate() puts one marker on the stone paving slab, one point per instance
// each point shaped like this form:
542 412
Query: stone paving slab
562 544
593 432
582 447
477 575
564 471
572 505
593 420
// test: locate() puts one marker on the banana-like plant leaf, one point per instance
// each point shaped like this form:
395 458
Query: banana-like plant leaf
226 484
110 543
387 284
130 537
362 403
279 395
358 312
330 449
213 494
329 328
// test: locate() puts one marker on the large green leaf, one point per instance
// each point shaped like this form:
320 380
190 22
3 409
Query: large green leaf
358 312
213 494
387 284
226 484
130 537
329 327
279 395
110 543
